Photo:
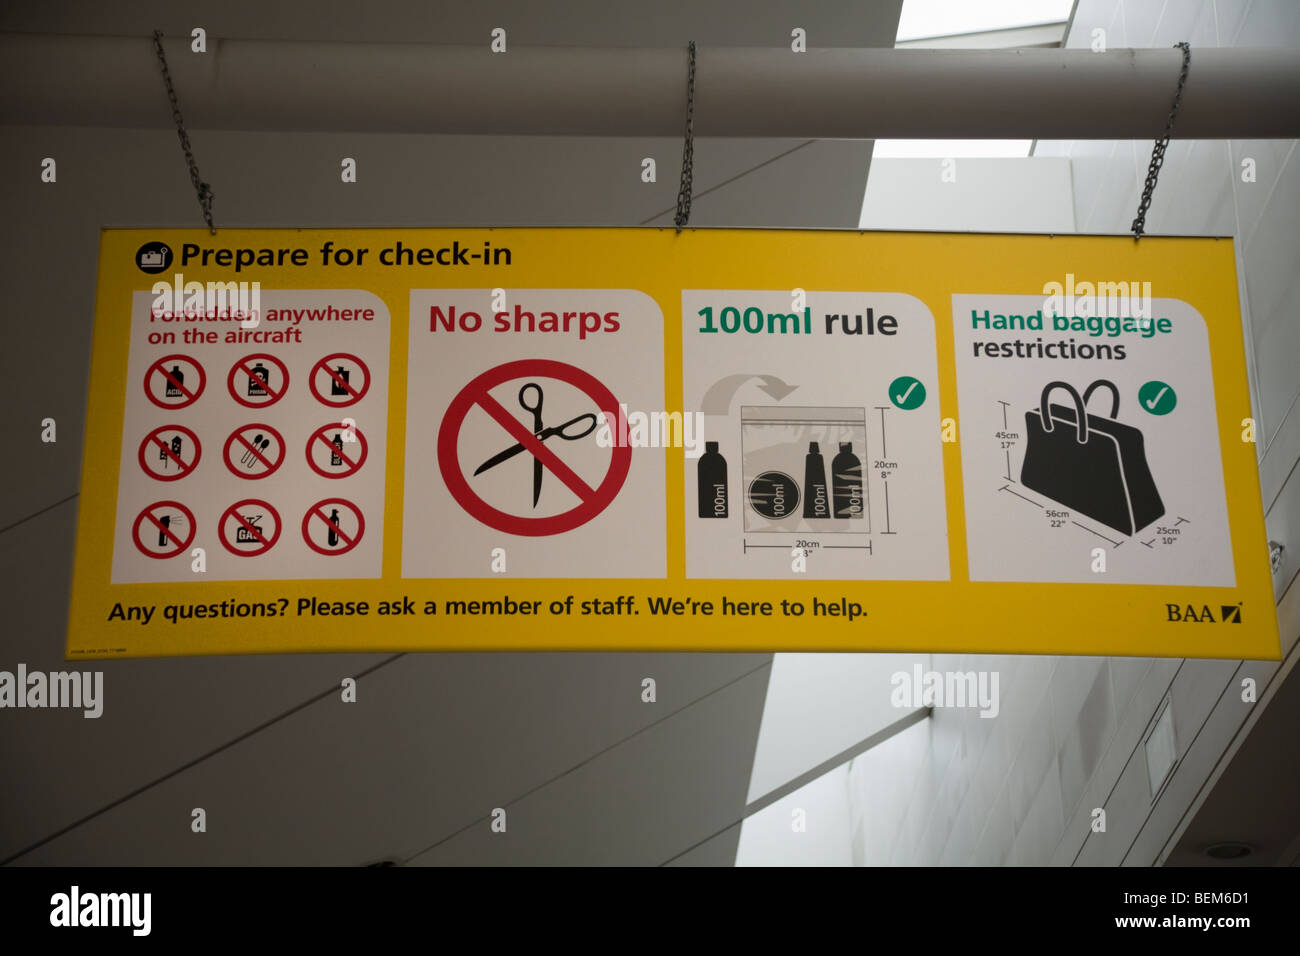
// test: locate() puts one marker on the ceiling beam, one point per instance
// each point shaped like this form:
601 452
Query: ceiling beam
822 94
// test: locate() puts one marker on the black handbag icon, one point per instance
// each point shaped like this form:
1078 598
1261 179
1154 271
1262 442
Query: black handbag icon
1093 465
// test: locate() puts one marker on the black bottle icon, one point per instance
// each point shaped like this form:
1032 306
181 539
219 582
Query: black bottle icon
338 387
817 500
711 477
258 379
846 479
333 537
175 379
336 453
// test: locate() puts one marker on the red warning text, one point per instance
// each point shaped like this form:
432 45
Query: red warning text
522 320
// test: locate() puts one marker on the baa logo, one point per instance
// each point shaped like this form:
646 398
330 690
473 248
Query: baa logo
154 257
1191 614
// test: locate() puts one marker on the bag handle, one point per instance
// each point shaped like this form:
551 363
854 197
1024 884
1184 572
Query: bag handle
1044 411
1103 383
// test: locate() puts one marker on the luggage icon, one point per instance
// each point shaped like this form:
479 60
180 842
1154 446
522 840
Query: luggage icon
1090 463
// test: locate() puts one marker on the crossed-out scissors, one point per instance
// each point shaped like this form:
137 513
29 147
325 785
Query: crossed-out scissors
542 433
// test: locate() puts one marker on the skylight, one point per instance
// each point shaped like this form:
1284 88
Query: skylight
942 18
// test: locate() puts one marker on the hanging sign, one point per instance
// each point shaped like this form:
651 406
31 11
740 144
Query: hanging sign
636 439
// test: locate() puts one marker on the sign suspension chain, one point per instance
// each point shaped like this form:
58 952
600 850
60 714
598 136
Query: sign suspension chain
1158 150
203 190
688 145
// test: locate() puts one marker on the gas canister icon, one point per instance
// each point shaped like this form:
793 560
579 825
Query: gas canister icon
243 534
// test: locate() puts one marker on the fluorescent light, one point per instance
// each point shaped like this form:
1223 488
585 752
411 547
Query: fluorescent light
949 148
937 18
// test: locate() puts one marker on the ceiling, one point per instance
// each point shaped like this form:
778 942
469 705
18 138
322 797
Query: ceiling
286 772
1241 807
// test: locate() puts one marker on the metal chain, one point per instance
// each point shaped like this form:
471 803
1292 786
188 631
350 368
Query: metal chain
688 147
1158 151
203 190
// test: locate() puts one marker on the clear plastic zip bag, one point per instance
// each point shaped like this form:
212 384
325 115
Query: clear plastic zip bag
802 469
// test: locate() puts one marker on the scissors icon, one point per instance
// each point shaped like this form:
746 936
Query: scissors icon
542 433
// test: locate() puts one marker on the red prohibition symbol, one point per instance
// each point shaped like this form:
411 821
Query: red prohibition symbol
328 444
323 521
242 531
178 379
155 518
331 380
593 500
249 454
170 459
255 384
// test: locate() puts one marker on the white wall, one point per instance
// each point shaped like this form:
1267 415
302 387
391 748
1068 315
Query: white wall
955 195
1020 789
810 827
819 705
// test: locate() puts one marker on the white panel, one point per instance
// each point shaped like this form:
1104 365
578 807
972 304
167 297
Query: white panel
1190 20
1272 23
1229 15
1050 148
1084 740
1194 693
1140 19
884 787
1072 682
1273 282
994 841
1270 156
1089 14
1117 197
769 837
1196 200
819 705
1126 674
1038 833
1089 162
1126 804
988 195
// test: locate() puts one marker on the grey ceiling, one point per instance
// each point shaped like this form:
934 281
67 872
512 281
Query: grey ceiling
286 772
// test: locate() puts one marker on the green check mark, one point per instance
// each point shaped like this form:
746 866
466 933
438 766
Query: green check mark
1157 398
907 392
